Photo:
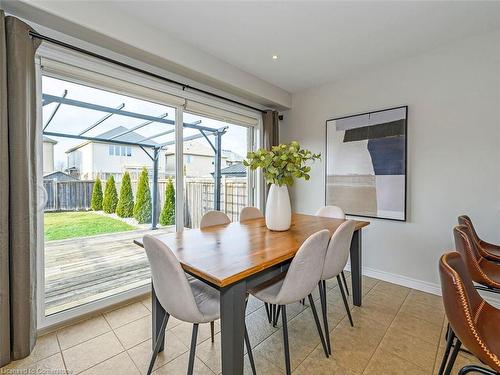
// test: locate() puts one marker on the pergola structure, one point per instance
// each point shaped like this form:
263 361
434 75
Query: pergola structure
145 144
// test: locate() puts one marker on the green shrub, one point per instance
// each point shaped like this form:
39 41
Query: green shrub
142 207
96 202
167 216
110 196
125 207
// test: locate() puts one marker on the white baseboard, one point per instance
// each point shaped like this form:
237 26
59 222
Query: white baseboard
409 282
421 285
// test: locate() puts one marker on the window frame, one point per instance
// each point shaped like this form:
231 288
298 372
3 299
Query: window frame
147 85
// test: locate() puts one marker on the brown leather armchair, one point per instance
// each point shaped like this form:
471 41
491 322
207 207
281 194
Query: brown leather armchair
486 249
482 270
473 322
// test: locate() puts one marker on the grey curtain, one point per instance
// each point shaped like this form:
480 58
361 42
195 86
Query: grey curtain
271 133
18 190
271 129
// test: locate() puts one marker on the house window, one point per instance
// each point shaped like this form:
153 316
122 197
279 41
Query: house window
111 150
117 150
129 151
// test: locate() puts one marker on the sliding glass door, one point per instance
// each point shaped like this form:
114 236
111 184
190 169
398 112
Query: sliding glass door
124 156
103 165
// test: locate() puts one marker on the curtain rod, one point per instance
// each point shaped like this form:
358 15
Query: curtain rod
184 86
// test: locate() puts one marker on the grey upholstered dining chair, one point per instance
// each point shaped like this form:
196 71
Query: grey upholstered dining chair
299 281
336 258
189 300
249 213
214 218
335 212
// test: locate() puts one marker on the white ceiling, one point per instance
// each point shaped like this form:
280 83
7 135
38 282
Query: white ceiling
317 42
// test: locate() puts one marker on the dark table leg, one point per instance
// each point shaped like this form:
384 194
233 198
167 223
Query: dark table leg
356 267
158 314
232 313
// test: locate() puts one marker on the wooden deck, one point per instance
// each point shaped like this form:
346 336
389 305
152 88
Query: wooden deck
82 270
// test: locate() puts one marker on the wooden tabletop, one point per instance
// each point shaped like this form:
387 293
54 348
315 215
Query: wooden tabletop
225 254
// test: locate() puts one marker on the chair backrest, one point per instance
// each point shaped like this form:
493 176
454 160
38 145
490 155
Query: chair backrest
214 218
249 213
465 220
170 282
467 248
466 309
334 212
305 269
337 253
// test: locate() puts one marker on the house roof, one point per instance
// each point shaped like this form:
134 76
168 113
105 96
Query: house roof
58 175
235 170
49 140
129 137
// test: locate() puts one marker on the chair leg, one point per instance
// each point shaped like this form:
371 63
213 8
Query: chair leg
249 350
345 282
212 331
277 316
322 298
318 326
453 357
474 368
192 351
285 341
449 343
346 304
273 313
158 343
268 312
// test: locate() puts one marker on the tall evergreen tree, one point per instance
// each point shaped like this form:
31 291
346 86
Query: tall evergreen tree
167 216
110 196
96 202
142 207
125 207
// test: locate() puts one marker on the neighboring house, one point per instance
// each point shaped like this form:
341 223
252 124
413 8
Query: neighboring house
198 159
48 154
59 176
91 159
232 157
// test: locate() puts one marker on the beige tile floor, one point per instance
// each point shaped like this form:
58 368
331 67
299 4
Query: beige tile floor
397 331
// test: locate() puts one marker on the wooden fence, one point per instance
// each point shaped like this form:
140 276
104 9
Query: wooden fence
68 195
199 196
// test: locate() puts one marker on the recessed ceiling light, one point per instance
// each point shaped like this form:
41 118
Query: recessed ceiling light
275 57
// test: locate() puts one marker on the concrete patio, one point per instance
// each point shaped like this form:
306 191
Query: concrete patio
83 270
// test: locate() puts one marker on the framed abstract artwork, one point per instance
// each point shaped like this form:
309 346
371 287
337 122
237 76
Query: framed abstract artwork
366 163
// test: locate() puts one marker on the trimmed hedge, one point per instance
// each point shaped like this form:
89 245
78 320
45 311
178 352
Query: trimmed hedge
125 207
142 207
167 216
110 196
96 202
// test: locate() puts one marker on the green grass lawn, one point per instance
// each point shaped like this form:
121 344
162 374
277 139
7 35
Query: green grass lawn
63 225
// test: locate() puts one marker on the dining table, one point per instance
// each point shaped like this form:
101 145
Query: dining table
238 256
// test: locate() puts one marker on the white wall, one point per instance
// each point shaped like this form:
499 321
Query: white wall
453 95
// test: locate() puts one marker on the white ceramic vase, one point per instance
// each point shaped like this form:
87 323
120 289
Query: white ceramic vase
278 210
